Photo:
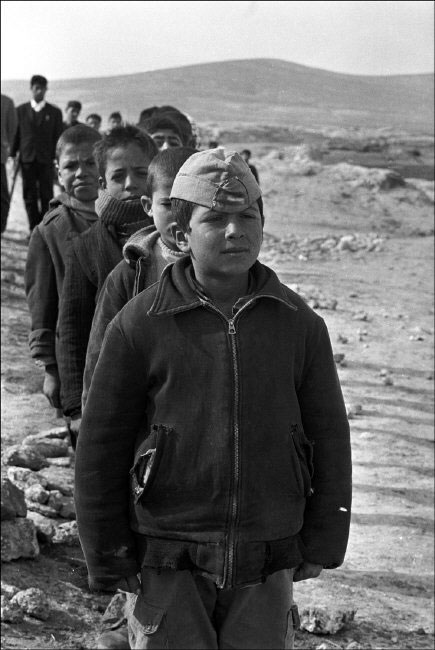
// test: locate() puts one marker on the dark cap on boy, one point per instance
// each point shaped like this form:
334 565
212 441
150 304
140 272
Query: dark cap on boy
216 179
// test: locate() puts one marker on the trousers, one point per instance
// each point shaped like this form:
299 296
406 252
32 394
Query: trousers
178 610
37 190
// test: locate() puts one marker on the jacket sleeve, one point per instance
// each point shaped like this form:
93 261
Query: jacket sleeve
325 530
77 307
113 296
42 299
111 420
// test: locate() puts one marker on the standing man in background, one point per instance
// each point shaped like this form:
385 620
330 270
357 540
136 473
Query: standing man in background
39 127
9 129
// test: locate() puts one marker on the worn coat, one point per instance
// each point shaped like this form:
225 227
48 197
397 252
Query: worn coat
213 444
45 270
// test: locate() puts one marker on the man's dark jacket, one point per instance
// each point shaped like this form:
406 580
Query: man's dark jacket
37 133
212 444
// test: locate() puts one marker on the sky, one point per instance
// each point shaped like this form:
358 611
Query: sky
71 40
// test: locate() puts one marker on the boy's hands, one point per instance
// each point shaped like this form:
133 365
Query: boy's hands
130 583
51 387
307 570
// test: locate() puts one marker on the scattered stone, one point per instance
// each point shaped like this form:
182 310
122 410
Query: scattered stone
36 493
384 372
33 602
327 645
47 447
59 478
339 358
321 621
366 435
56 432
8 590
416 337
12 500
42 509
45 527
355 645
354 410
429 376
23 456
67 534
342 339
18 539
23 477
114 614
361 315
63 505
60 462
10 612
387 381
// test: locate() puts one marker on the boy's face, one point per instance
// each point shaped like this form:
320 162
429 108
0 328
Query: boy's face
159 208
222 245
114 122
126 172
77 171
72 114
93 123
166 139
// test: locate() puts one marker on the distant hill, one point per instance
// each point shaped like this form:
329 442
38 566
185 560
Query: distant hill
255 91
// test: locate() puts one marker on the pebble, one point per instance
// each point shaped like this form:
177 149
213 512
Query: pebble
387 381
342 339
339 357
366 435
33 602
353 410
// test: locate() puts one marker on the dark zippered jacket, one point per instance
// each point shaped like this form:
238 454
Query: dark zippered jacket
212 444
45 270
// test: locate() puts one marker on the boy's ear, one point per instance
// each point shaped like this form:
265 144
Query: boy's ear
59 178
147 204
180 238
102 182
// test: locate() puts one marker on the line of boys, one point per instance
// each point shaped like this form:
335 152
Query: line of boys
211 387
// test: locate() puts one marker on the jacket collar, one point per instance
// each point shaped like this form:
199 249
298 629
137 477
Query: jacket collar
140 244
176 293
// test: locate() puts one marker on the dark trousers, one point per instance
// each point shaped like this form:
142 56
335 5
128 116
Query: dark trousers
37 190
5 198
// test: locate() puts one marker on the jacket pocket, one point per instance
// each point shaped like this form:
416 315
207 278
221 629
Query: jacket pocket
304 452
147 461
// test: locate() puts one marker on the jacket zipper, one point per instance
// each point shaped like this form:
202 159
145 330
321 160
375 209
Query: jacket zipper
229 567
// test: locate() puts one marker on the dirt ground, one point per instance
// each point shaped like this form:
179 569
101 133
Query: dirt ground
383 324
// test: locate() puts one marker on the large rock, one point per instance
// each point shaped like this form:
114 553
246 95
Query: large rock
42 509
10 612
67 534
36 493
56 432
318 620
18 539
47 447
23 456
33 602
12 500
59 478
45 527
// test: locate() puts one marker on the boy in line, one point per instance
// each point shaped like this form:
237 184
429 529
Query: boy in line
123 157
146 253
72 112
71 213
214 456
94 121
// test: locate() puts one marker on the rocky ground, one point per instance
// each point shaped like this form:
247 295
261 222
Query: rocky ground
358 245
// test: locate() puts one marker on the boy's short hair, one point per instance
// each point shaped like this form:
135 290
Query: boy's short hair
182 212
116 115
39 80
122 136
94 116
172 119
76 135
73 103
166 165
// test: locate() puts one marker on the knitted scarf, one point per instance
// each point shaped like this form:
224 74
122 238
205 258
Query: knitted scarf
99 249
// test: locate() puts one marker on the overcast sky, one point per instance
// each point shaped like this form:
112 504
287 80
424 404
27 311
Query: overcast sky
67 40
